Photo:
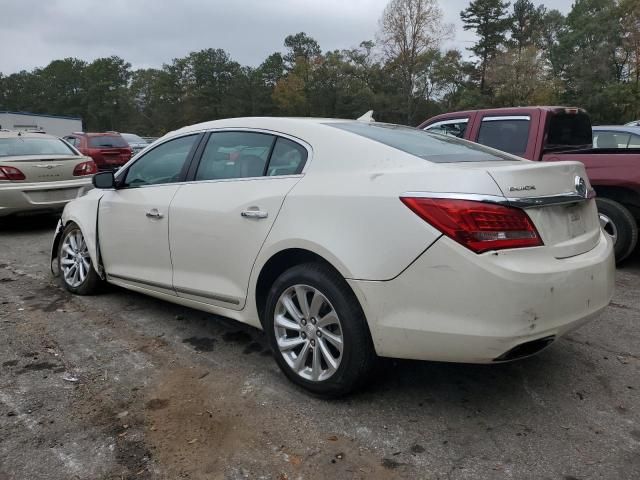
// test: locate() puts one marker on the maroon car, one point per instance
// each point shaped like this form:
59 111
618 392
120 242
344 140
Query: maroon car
109 150
552 134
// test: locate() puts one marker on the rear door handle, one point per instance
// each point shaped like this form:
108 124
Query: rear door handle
154 213
254 214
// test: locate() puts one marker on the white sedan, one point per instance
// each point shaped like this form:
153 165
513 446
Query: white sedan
345 239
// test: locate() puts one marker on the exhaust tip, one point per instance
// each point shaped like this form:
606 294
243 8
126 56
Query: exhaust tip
526 349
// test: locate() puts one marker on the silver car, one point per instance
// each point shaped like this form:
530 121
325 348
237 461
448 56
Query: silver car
136 142
40 173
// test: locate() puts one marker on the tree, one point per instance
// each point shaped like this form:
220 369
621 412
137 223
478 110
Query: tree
408 30
301 47
526 24
488 19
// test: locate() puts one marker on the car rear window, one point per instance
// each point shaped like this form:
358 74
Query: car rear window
107 141
18 146
428 146
132 138
568 130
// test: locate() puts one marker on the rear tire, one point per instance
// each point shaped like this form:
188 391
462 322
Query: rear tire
619 223
333 352
74 263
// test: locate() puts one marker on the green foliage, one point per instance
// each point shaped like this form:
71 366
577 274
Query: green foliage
524 55
487 18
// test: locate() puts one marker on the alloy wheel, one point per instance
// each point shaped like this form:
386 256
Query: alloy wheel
74 260
308 332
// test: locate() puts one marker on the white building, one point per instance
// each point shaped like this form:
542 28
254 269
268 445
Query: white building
52 124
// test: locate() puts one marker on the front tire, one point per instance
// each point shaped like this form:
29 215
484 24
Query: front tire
74 263
618 222
317 330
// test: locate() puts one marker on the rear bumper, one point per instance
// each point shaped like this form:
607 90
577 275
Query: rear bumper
454 305
41 196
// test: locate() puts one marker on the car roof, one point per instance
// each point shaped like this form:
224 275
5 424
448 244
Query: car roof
288 125
617 128
24 134
96 134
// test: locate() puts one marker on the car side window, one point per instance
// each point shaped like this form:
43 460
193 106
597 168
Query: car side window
235 155
72 140
509 134
634 141
163 164
455 128
611 140
288 158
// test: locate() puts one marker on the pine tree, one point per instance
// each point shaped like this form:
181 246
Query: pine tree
489 20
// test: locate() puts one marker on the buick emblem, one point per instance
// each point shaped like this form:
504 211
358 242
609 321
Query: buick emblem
581 186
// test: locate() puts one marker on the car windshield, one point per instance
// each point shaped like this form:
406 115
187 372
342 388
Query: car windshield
133 138
107 141
18 146
428 146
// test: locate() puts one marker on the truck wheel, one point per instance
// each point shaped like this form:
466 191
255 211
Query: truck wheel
617 222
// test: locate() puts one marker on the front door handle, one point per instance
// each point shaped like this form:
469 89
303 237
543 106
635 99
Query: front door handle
154 213
254 214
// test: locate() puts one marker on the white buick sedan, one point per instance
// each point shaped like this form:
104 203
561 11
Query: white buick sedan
346 240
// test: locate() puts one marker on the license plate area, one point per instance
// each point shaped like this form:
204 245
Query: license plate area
568 229
53 195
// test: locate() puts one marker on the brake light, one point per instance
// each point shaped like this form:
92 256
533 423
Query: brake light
85 168
11 173
479 226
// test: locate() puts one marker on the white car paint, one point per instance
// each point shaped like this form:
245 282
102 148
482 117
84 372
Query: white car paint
424 295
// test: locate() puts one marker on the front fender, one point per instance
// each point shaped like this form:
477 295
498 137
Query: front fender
54 247
83 212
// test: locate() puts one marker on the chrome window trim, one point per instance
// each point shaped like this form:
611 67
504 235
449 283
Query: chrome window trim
506 117
520 202
446 122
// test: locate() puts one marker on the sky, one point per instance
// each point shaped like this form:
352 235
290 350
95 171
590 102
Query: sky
148 33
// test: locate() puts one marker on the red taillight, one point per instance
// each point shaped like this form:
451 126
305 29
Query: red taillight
11 173
478 226
85 168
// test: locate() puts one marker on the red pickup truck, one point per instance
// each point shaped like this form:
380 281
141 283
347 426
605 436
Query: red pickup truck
551 134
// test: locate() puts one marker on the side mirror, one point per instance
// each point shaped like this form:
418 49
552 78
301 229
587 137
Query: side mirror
104 180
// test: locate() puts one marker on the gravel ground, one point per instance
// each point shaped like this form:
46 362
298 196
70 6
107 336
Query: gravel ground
123 386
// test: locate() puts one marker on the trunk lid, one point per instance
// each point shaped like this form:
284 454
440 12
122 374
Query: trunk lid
52 168
556 196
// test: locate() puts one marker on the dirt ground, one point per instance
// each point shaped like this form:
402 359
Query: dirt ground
123 386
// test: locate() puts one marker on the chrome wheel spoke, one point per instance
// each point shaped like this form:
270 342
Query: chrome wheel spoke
301 296
284 322
333 339
86 263
293 311
329 319
316 304
300 360
331 362
72 242
66 261
316 367
290 343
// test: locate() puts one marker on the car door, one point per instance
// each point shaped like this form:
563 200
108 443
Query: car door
133 219
220 220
